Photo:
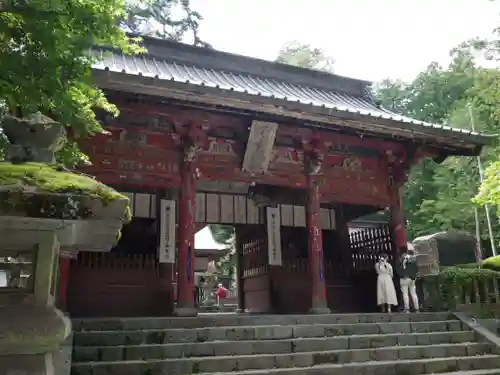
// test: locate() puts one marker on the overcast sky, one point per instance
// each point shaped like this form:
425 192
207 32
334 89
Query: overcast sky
369 39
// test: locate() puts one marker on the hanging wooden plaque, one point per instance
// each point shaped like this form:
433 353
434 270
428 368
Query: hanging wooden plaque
166 249
274 236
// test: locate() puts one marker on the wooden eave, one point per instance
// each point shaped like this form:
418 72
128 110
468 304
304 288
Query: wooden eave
452 142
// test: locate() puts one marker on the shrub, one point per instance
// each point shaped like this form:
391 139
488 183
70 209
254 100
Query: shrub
454 285
467 265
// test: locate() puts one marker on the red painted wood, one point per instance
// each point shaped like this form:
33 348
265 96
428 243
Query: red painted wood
119 285
397 220
186 231
64 264
315 245
143 149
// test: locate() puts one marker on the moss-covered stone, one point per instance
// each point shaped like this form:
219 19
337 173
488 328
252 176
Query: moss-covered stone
31 330
51 191
53 179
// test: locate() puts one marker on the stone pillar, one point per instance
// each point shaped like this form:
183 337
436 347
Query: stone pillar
37 336
186 231
315 247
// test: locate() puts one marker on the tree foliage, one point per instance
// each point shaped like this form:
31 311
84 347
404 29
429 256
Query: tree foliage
167 19
489 192
45 63
305 56
438 197
224 234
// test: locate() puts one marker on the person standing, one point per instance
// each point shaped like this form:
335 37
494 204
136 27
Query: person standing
222 293
408 274
386 292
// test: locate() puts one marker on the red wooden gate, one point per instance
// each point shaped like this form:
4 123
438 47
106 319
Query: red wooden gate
108 284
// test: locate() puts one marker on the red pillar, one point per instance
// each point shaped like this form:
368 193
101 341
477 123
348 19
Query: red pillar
186 231
239 269
397 222
315 244
62 290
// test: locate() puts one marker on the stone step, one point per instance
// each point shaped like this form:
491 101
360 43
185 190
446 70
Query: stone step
225 320
302 363
135 353
227 348
225 308
276 332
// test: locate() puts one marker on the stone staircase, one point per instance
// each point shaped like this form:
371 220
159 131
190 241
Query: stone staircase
225 344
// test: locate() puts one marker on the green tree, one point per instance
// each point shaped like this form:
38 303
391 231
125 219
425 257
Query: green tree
225 234
305 56
438 197
44 61
489 192
486 106
167 19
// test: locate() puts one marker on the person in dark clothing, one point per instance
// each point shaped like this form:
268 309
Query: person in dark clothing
407 269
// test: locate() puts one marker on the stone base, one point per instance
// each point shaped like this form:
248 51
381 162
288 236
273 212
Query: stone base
319 310
185 312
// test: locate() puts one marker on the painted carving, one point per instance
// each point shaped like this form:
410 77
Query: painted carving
346 149
190 152
136 165
129 119
220 147
133 137
285 155
351 164
314 154
315 165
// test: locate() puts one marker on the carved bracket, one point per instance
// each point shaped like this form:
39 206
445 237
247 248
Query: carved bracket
400 165
398 168
314 153
192 141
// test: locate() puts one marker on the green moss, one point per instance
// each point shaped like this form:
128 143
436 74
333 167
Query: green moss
54 179
492 263
66 192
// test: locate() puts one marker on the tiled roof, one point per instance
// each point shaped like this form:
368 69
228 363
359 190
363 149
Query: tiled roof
149 66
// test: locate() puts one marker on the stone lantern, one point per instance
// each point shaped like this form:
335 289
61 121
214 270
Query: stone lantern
44 208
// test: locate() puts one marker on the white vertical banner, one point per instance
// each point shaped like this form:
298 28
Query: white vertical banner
274 236
166 249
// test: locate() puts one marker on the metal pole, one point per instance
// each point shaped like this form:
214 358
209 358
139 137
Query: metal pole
479 253
481 178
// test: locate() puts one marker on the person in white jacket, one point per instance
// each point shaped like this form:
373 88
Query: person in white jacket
386 292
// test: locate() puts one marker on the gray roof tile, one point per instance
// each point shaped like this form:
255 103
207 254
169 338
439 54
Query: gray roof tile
149 66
